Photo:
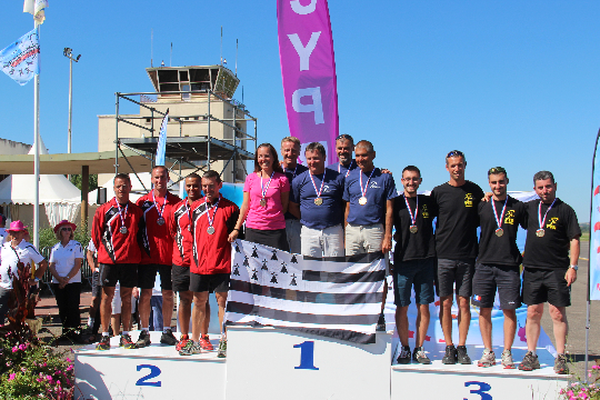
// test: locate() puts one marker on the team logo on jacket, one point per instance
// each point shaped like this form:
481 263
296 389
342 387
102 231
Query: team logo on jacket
552 223
468 200
509 217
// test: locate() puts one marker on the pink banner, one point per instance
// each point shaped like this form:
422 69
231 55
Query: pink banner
308 72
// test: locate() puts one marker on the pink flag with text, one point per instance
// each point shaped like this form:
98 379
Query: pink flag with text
308 71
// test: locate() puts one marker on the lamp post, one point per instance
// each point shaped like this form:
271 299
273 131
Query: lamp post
68 52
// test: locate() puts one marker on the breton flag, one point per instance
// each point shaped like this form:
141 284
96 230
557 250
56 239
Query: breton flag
337 297
21 59
36 8
161 148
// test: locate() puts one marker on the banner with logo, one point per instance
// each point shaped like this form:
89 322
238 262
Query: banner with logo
594 270
21 59
308 72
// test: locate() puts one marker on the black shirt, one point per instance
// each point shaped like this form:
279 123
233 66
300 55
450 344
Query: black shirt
501 250
456 228
419 245
552 250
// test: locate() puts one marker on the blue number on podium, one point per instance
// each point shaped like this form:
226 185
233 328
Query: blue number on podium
483 388
154 372
307 355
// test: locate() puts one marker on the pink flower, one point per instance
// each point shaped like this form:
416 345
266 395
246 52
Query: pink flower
15 349
70 368
12 376
69 360
22 346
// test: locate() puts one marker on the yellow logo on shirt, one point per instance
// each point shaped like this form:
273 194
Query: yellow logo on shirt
424 212
552 223
469 200
509 218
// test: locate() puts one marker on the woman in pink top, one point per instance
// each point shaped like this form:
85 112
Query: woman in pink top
266 197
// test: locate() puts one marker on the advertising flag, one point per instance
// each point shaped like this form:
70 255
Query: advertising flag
161 148
21 59
338 297
36 8
594 269
308 71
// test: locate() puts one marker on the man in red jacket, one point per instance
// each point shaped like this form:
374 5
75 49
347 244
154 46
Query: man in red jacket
157 254
211 261
115 234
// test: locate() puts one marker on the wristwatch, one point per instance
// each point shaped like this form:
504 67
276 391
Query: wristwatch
575 267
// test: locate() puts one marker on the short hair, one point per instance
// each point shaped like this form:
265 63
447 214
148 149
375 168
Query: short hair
345 137
412 168
193 175
542 176
456 153
365 144
276 165
497 170
316 146
122 176
161 166
292 139
212 174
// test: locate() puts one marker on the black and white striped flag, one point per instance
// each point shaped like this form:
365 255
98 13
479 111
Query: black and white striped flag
336 297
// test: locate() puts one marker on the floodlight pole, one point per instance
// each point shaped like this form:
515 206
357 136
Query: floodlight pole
68 52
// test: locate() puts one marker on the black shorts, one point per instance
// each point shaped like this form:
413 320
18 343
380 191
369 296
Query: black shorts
546 285
488 278
181 278
147 275
455 273
96 286
218 283
275 238
126 274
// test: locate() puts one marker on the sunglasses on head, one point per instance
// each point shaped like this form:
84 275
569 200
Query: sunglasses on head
455 153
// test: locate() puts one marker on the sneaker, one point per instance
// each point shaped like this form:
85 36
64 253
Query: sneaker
182 342
143 339
488 359
127 343
205 343
507 361
420 356
404 357
190 348
530 362
451 356
381 323
222 348
104 343
560 364
462 356
167 338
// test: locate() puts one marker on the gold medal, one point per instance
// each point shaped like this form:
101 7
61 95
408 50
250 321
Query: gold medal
499 232
362 201
540 233
318 201
413 229
263 202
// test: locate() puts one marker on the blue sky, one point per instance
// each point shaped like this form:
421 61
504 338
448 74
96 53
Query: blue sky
511 83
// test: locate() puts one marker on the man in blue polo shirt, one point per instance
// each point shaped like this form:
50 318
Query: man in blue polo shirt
344 144
290 150
369 215
316 199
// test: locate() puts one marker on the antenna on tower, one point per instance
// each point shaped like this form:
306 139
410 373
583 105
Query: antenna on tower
221 45
151 46
171 56
236 55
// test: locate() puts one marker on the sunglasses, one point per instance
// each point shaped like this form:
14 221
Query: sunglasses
344 136
496 170
66 229
455 153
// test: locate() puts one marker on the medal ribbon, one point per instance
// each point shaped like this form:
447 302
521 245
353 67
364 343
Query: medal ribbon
499 220
364 191
294 171
209 206
161 209
263 189
121 212
413 217
189 213
541 221
347 171
318 192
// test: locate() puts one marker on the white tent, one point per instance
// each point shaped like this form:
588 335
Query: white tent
61 199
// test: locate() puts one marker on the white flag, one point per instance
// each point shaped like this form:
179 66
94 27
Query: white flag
36 8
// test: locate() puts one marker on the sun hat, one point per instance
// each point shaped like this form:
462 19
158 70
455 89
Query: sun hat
63 223
16 226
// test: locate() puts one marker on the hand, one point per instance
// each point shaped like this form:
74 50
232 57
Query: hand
570 276
386 171
233 236
387 244
487 196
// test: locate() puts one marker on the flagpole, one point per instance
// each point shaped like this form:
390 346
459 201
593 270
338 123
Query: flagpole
36 157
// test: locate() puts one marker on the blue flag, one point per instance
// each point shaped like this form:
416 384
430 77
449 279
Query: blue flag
21 59
161 149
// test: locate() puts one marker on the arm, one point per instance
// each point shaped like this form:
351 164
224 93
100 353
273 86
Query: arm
243 213
571 275
75 269
294 209
346 212
39 272
61 281
389 222
285 201
92 261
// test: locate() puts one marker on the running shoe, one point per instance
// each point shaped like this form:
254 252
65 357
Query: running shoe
530 362
104 343
205 343
167 338
127 343
222 348
190 348
462 356
507 361
404 357
451 356
560 364
420 356
143 339
182 342
488 359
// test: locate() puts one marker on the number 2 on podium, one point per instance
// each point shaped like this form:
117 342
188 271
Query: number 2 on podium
307 355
